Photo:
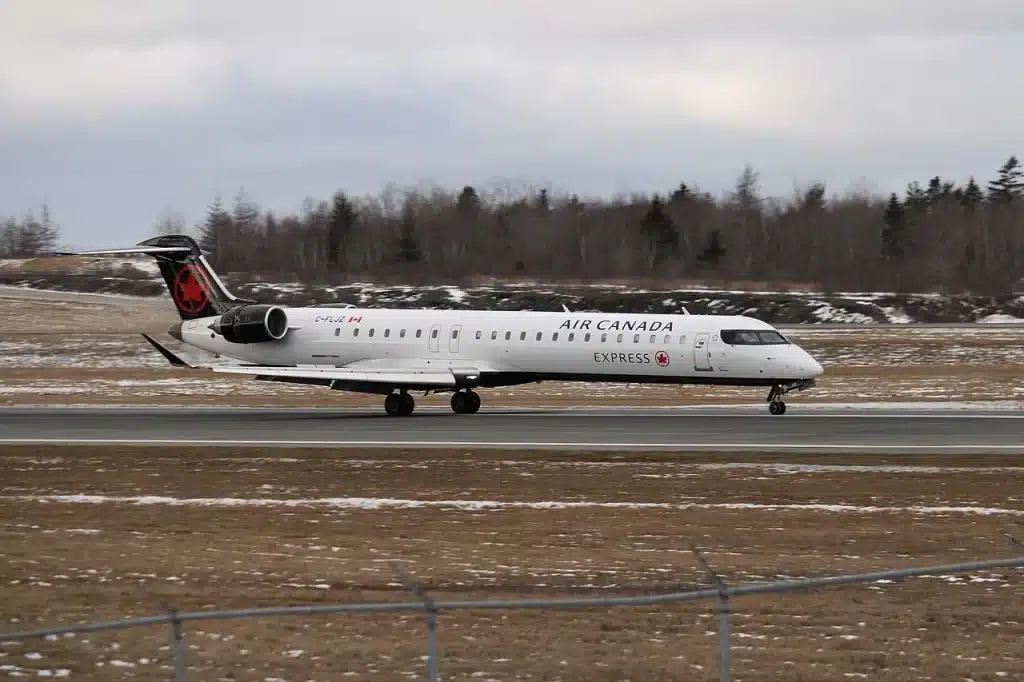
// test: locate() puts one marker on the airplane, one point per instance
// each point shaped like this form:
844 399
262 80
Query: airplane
393 352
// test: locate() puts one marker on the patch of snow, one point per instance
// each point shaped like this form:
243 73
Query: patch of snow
1001 319
371 503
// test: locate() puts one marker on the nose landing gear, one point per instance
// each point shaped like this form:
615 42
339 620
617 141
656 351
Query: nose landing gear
775 404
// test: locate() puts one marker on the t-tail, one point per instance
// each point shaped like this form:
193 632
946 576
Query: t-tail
196 290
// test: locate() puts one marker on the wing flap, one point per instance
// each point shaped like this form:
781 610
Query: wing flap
395 377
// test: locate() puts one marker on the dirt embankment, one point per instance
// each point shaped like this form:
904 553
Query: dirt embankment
789 305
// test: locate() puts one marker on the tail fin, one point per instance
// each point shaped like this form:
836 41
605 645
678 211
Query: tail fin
194 286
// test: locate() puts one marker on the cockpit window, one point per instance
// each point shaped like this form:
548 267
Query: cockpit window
741 337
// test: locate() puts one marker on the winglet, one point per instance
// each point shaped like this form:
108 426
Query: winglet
171 357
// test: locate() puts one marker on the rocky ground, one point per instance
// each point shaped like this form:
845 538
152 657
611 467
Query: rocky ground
140 278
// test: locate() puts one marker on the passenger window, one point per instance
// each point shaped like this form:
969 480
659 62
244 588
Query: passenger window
636 338
668 338
554 337
455 333
682 339
387 333
419 333
337 331
571 336
355 332
371 331
494 335
654 337
508 335
478 333
539 334
619 338
587 337
522 336
401 334
604 337
433 334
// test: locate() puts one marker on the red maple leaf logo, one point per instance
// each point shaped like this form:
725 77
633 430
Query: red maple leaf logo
661 358
189 293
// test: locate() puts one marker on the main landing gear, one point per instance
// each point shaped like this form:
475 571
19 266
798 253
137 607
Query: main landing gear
399 404
402 404
465 402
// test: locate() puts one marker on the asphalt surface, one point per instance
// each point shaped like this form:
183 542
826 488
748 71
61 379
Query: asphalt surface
741 428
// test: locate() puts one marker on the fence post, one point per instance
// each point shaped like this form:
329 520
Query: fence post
177 645
430 609
177 641
724 620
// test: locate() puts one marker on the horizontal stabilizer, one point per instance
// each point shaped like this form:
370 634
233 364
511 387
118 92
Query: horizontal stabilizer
145 250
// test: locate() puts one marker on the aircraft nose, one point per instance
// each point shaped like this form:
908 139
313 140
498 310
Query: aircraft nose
814 367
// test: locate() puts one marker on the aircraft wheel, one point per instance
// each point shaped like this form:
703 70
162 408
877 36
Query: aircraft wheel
472 402
394 405
777 407
459 403
408 404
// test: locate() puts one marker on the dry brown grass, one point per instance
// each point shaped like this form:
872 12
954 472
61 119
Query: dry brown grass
66 562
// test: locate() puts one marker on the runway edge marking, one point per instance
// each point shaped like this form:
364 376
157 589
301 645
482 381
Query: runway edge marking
519 445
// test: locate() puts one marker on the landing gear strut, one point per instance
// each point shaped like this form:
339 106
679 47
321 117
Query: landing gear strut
399 404
775 404
465 402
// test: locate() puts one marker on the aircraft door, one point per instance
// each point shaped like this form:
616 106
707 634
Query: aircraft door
435 337
453 339
702 353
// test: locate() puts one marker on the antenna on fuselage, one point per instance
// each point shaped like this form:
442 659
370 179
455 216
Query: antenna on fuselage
685 311
566 308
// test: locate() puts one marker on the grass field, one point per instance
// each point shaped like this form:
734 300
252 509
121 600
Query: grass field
86 532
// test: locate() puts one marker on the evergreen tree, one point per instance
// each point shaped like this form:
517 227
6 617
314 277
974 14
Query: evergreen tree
681 193
1009 185
813 198
894 234
971 195
660 232
745 194
215 230
340 223
468 203
408 244
543 201
714 251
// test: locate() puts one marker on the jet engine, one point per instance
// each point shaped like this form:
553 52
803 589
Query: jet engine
257 323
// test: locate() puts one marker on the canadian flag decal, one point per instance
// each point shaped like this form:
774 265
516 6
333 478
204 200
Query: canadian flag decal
356 319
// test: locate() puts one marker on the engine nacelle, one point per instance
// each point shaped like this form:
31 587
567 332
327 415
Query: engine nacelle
257 323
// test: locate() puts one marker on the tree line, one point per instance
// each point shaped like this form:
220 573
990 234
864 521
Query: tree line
29 235
939 235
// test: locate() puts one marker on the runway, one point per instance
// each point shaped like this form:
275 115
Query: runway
732 429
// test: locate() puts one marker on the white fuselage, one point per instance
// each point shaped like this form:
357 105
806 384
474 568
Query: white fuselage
533 345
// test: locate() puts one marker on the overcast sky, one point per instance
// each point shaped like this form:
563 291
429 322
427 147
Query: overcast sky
113 110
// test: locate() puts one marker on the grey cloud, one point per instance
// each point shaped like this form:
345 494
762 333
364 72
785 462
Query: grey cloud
113 113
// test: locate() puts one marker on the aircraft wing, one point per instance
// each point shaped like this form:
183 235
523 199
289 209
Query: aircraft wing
377 374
